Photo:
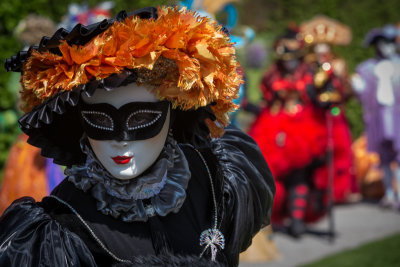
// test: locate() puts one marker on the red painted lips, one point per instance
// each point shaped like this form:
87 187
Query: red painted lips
121 159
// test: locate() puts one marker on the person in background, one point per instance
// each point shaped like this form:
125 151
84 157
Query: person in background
288 136
377 84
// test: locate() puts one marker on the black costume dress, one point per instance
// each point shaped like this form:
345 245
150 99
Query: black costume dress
66 229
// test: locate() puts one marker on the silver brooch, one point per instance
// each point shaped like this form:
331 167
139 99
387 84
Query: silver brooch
212 238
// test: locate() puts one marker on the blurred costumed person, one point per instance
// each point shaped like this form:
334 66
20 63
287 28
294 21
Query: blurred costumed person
135 107
377 83
331 90
39 175
288 136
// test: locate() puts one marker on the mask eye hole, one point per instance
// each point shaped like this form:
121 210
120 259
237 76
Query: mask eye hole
98 120
142 118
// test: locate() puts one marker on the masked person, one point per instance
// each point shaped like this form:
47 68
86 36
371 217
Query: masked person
377 84
135 107
289 136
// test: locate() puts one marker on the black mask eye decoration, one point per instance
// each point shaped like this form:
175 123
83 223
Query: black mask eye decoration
133 121
98 120
142 118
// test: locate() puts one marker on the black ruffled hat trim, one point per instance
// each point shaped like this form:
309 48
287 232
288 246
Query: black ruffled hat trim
54 126
79 35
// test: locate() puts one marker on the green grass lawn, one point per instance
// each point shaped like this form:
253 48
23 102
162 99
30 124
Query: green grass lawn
382 253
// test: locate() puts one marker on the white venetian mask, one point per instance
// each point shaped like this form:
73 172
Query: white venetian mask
130 153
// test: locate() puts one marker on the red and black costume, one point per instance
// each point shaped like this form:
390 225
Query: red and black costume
290 137
331 90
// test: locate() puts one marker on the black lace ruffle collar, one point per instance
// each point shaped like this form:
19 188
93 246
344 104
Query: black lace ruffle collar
159 191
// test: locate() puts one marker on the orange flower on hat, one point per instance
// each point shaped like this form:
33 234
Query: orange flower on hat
204 56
